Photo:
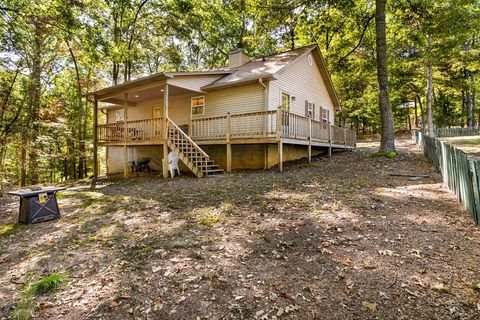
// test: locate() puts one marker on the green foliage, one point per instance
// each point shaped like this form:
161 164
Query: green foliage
48 284
26 304
10 229
390 154
209 221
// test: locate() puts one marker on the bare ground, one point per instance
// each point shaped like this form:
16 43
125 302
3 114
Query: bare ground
335 239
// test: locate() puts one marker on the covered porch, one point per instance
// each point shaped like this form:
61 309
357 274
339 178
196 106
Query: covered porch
138 113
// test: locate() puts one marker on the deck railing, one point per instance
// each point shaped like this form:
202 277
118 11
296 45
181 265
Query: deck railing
265 124
147 129
254 124
251 125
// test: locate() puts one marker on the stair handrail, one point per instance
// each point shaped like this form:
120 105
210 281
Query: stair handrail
186 136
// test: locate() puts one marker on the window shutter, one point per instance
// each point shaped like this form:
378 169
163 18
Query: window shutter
321 114
313 111
306 108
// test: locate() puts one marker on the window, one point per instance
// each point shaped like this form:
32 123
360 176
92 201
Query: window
325 115
309 109
198 105
285 101
119 115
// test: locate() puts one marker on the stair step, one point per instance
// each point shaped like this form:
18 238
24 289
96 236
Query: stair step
191 154
210 172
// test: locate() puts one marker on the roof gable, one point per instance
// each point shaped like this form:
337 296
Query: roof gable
320 63
263 67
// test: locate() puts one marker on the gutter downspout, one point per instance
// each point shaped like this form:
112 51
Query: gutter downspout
265 93
265 97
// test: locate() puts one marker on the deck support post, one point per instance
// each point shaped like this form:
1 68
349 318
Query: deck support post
95 141
229 145
279 139
330 139
125 135
280 156
165 132
165 160
309 140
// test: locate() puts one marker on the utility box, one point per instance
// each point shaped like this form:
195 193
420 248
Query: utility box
38 205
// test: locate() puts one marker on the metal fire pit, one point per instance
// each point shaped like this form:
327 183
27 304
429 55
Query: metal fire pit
38 205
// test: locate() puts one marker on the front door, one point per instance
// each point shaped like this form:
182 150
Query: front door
157 115
157 112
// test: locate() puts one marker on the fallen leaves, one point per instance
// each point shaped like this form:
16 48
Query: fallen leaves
440 287
386 253
369 306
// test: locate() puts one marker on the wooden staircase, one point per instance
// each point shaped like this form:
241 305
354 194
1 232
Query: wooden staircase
189 152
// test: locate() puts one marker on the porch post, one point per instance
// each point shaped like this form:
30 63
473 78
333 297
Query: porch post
95 140
279 139
229 145
165 100
330 138
309 140
165 131
125 135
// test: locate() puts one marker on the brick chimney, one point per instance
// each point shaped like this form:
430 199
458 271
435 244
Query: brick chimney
238 57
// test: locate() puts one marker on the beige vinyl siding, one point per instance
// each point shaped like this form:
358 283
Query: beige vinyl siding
237 99
193 82
179 109
304 82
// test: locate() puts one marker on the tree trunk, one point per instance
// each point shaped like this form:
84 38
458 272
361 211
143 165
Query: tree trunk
30 131
81 137
416 113
387 143
409 121
422 113
431 130
472 99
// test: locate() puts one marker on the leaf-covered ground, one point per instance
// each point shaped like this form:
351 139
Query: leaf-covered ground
336 239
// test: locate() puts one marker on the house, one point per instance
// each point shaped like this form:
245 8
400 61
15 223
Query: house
256 113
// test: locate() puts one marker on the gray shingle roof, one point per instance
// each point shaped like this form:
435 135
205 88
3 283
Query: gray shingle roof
259 68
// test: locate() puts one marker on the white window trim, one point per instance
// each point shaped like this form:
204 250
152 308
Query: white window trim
119 112
310 109
289 100
191 106
325 115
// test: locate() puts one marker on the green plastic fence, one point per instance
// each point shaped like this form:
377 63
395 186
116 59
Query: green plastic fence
460 174
456 132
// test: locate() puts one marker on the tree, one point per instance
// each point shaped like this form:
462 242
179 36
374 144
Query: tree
387 143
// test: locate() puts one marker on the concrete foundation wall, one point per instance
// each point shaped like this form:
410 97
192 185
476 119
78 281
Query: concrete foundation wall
245 156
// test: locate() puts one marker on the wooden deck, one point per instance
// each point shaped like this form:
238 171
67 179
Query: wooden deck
246 128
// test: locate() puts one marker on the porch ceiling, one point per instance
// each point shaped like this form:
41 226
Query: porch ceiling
148 94
142 95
